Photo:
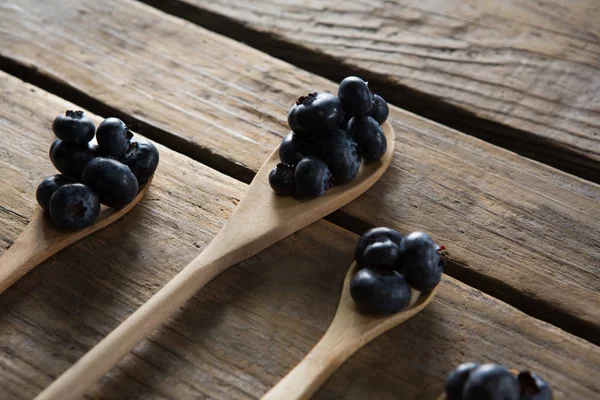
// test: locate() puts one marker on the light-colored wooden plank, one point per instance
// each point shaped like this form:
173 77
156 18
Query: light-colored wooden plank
522 231
518 73
247 328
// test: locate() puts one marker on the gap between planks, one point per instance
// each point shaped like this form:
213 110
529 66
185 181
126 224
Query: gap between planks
496 288
522 142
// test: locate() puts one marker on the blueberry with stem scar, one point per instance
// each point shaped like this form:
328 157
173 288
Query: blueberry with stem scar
314 112
142 159
74 206
281 179
113 137
74 127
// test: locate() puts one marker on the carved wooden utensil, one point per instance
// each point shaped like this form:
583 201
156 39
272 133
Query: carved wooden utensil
260 220
41 239
348 332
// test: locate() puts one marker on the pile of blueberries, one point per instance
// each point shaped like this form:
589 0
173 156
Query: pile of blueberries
108 172
472 381
330 136
390 265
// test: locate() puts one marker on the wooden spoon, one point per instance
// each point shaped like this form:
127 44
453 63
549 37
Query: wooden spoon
348 332
41 239
260 220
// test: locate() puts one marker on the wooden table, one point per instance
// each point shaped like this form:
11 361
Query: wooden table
522 226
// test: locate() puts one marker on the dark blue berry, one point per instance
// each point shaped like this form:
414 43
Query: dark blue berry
142 158
341 154
374 235
114 182
420 261
294 148
71 158
380 110
74 206
369 136
48 186
281 179
74 127
378 293
491 382
355 96
312 177
381 256
457 379
113 137
532 387
314 112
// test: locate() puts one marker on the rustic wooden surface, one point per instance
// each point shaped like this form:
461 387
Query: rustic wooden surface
519 230
253 323
259 220
522 74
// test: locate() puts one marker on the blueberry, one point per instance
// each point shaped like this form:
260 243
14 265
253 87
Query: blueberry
374 235
369 136
71 158
74 206
420 261
142 158
380 110
491 382
355 96
316 111
74 127
341 154
281 179
457 379
114 182
113 137
312 177
377 293
381 256
533 387
294 148
344 120
48 186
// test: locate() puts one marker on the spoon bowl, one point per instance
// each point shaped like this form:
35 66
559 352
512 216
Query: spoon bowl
348 332
260 220
41 239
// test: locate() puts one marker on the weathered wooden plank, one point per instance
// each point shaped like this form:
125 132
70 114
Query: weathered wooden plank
517 73
522 231
248 327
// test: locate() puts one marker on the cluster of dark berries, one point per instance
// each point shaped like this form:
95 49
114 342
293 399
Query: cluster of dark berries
108 172
472 381
390 265
330 136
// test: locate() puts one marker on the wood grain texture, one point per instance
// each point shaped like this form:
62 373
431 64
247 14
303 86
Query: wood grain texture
520 74
249 326
522 231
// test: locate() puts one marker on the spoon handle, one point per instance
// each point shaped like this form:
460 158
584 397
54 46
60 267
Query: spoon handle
107 353
25 253
318 365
